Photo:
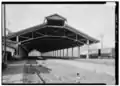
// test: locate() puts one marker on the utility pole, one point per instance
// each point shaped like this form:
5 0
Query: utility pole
4 29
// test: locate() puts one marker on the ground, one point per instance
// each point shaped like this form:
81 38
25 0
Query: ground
60 71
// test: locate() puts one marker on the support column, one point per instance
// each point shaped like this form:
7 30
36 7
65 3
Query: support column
72 51
17 39
67 52
60 53
41 54
56 53
63 52
78 51
53 53
87 49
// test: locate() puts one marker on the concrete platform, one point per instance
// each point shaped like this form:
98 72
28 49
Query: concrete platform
57 71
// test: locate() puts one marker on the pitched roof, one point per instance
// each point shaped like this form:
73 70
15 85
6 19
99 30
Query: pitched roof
56 17
44 25
51 45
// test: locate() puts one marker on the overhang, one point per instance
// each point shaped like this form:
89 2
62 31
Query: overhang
46 37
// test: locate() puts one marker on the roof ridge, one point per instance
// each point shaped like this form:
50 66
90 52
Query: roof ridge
56 14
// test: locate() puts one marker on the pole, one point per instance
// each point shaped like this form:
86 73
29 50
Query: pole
63 52
60 53
67 52
78 51
88 49
72 52
4 28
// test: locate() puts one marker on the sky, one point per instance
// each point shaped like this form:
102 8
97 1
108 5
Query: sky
92 19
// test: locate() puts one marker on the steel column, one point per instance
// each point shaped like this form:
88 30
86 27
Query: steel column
63 52
67 52
72 51
78 51
60 53
87 49
17 38
57 53
53 53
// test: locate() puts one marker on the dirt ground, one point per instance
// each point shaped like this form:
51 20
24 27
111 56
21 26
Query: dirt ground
57 71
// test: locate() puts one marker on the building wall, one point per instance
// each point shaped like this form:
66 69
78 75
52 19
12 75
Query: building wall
9 49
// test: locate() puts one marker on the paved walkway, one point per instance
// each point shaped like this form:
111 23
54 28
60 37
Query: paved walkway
90 73
55 71
14 72
98 68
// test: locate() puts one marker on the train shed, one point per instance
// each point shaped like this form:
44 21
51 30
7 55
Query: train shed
52 35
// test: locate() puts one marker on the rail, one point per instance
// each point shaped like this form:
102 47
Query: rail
29 69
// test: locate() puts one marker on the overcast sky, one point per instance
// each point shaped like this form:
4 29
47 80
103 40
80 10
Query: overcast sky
93 20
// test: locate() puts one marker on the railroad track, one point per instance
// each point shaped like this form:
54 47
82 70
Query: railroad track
31 74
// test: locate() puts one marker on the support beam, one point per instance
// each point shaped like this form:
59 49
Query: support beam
25 41
39 33
24 48
87 49
24 37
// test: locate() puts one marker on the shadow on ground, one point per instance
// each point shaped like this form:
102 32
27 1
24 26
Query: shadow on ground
12 70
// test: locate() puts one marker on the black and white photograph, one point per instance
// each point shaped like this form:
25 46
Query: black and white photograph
59 43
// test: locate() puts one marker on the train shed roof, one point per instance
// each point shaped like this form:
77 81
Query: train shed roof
54 34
